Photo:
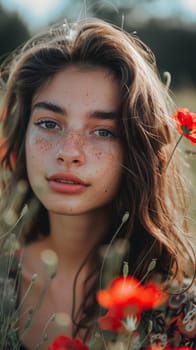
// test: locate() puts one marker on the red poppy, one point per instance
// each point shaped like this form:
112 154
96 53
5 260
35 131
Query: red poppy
62 342
126 297
186 123
112 320
125 291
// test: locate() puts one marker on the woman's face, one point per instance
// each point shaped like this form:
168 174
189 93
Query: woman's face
73 150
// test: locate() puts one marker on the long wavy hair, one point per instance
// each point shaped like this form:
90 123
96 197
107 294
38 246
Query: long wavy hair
151 193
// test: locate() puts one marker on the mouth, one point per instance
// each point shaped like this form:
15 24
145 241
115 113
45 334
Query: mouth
66 183
67 178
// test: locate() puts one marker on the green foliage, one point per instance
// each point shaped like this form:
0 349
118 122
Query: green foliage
174 48
172 42
13 32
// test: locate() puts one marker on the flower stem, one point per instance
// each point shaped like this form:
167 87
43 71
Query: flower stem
167 76
171 155
129 345
44 334
33 280
36 308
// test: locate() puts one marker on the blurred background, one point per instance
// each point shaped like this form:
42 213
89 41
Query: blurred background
168 27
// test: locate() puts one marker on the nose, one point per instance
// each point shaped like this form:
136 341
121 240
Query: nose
70 149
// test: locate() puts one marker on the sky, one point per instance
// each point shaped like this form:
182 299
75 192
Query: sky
35 13
40 13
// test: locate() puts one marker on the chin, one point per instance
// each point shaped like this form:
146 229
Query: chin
60 210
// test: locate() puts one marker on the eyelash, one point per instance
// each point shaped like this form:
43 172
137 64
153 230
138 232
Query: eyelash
41 122
110 133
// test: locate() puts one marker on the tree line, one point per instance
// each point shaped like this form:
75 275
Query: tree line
173 45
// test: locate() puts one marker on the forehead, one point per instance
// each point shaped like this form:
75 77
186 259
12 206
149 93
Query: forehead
84 84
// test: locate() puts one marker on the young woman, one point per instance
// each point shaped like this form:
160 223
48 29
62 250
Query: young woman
86 125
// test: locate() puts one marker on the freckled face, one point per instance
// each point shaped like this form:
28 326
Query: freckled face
73 151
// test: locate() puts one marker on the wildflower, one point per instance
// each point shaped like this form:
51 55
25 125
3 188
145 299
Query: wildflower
124 298
62 342
186 123
130 323
49 261
186 126
63 322
123 291
112 320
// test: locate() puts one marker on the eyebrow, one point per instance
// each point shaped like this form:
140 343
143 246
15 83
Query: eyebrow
111 115
48 106
103 115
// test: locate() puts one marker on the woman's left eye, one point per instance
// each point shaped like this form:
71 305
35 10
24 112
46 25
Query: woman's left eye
47 124
104 133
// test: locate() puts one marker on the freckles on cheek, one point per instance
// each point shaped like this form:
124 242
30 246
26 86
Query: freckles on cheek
42 144
98 155
105 156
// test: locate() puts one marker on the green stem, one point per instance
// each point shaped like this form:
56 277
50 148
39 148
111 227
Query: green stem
33 280
36 308
129 345
171 155
167 76
41 340
12 227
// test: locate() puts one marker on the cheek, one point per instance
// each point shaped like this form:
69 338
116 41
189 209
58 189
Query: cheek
106 151
111 158
108 165
41 145
37 147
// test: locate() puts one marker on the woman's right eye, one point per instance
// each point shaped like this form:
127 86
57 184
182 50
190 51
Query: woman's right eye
47 124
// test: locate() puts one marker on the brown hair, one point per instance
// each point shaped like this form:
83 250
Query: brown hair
147 191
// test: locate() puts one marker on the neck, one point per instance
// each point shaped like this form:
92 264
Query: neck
73 237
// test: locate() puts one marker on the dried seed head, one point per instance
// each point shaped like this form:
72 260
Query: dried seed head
62 322
24 210
49 261
125 217
152 265
125 269
10 217
11 244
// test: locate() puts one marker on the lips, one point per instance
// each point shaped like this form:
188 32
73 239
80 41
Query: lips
66 178
66 183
